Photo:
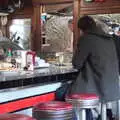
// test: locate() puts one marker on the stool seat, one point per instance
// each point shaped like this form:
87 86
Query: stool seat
53 110
54 105
11 116
84 96
86 100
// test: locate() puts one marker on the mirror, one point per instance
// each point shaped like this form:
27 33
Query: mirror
56 34
20 32
111 21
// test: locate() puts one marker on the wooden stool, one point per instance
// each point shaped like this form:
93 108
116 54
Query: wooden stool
53 110
81 102
11 116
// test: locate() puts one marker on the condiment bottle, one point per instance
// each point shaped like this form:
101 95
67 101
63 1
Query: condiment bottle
9 55
30 59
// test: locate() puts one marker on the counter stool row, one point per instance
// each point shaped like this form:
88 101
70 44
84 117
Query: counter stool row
75 105
56 110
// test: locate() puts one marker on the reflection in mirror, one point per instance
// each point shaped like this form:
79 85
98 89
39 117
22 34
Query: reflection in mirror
20 32
57 34
109 22
57 37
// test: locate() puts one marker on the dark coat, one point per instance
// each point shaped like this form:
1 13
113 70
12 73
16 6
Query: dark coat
117 45
97 62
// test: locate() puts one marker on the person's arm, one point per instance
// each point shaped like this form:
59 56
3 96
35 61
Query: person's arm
81 53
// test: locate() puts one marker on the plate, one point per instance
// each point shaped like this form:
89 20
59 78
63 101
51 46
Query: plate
45 66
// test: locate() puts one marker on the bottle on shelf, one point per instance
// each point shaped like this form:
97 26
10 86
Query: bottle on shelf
9 55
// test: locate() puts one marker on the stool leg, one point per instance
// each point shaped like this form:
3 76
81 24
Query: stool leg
77 113
118 109
103 112
82 114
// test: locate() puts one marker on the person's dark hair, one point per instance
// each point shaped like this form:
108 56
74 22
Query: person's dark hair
86 23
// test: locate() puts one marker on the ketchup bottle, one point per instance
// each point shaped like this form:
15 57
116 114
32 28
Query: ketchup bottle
30 59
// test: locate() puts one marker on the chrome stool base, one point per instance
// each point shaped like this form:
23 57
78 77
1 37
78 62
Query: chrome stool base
80 114
118 109
53 110
81 102
103 112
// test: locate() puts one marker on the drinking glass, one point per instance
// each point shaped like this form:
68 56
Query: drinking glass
61 59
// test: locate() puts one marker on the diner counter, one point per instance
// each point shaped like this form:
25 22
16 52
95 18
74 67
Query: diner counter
13 79
23 89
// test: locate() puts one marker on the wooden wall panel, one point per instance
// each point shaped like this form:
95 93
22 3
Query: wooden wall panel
76 13
107 7
54 8
51 1
36 29
27 12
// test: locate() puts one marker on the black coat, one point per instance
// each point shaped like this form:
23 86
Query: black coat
97 62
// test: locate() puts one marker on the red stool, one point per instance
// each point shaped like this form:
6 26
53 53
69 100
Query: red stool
53 110
82 102
11 116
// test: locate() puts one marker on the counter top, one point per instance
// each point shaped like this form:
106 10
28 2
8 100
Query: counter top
23 89
41 75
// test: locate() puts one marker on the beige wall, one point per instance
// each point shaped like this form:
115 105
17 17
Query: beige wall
58 34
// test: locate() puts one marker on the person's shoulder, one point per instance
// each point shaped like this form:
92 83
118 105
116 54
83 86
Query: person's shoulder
85 39
88 38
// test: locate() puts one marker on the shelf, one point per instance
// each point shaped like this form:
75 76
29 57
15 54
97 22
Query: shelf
45 45
43 36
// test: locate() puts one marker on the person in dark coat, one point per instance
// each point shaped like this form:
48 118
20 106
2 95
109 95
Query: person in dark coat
96 60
